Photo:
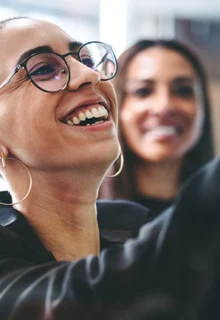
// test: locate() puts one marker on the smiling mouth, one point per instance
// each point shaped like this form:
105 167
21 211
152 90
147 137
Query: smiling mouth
87 116
166 131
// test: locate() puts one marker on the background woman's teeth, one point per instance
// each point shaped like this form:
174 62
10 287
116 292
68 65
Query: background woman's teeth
76 120
70 122
167 130
89 114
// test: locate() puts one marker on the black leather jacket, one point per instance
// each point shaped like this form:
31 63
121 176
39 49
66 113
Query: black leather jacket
170 271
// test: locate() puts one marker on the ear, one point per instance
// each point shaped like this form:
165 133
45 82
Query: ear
3 154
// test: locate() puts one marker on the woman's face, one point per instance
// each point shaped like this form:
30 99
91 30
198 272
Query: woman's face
162 112
37 126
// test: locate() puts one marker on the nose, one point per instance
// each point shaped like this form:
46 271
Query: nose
164 103
81 75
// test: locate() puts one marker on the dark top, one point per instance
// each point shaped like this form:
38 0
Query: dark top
171 271
156 205
118 221
20 248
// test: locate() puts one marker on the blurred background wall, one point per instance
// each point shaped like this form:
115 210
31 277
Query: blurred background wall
121 22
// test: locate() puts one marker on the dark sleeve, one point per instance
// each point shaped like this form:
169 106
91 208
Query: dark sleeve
169 268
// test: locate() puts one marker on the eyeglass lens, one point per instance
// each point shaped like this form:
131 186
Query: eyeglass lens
49 71
99 57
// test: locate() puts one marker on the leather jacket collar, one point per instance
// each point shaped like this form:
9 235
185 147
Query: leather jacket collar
118 221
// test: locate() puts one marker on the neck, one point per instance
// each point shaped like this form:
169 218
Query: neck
65 218
158 180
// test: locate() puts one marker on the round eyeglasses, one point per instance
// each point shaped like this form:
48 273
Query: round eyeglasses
50 72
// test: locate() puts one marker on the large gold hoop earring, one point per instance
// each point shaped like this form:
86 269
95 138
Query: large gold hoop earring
3 160
120 168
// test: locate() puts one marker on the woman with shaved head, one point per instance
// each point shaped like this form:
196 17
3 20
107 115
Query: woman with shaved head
62 253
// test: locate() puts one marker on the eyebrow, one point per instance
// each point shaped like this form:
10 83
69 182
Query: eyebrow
188 79
28 53
133 81
180 79
42 49
73 45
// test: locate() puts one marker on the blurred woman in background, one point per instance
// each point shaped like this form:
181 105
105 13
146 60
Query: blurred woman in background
165 128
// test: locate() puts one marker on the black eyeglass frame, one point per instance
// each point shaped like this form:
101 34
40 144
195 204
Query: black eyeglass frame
23 65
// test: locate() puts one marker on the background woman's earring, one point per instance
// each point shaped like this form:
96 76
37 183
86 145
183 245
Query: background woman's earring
120 168
3 160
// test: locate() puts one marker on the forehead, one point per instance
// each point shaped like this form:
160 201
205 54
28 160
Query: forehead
21 35
161 62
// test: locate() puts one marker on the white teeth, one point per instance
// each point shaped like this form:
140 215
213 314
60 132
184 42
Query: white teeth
76 120
163 130
89 114
96 122
95 113
92 124
103 112
82 116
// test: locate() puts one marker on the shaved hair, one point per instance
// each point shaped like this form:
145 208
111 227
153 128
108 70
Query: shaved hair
3 23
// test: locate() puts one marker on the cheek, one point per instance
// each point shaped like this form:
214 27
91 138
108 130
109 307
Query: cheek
129 127
198 125
22 116
107 88
127 119
128 111
131 117
125 116
197 115
12 115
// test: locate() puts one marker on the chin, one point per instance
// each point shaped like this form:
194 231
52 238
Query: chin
113 156
108 155
162 157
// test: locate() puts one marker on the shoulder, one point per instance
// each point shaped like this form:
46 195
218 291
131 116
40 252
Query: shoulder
17 239
121 215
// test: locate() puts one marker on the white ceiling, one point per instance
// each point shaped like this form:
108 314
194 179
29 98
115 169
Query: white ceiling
190 8
90 8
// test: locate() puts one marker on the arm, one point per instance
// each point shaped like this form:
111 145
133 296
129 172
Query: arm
175 257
